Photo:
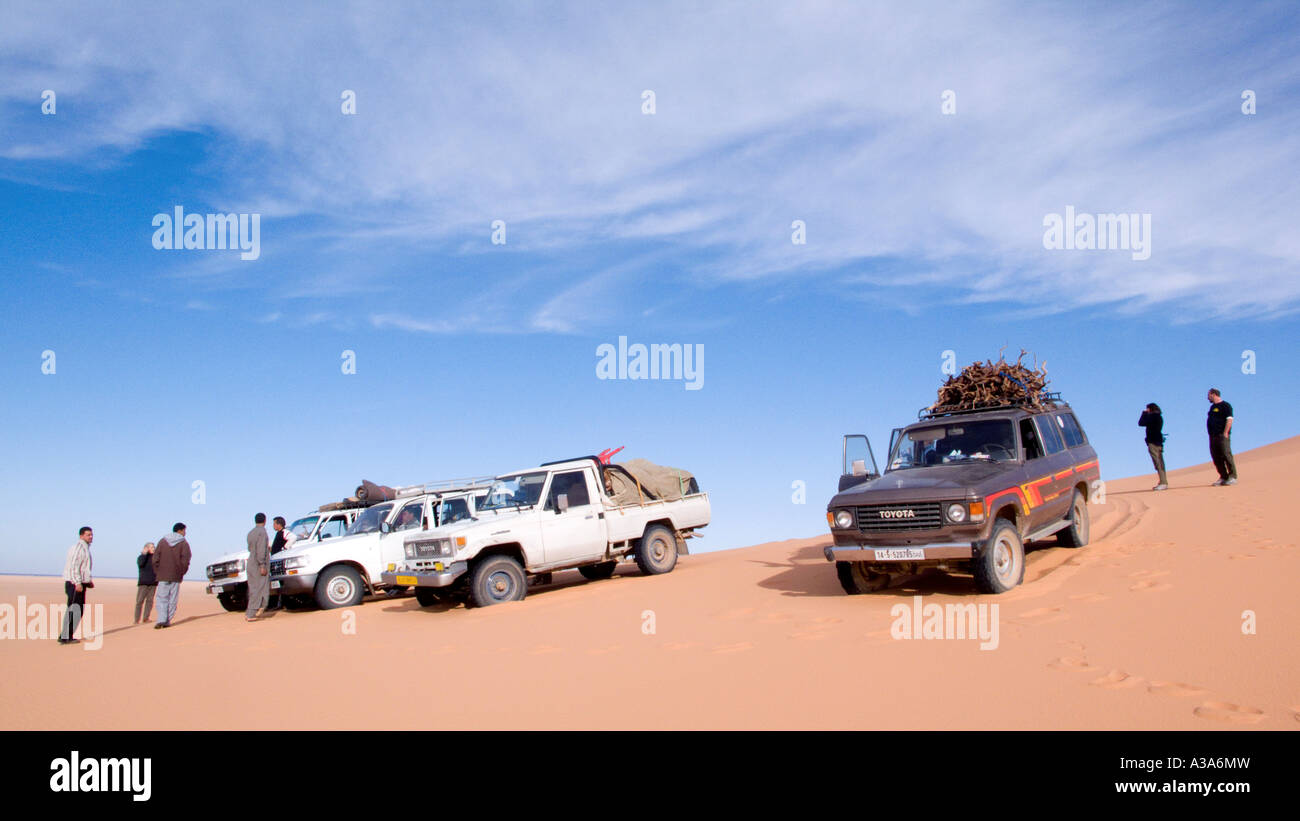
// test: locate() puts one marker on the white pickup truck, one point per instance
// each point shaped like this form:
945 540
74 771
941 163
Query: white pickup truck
228 575
578 513
340 572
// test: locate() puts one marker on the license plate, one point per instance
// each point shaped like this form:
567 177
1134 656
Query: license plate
899 554
275 585
410 580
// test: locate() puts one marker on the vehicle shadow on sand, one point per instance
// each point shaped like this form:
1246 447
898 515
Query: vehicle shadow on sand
808 574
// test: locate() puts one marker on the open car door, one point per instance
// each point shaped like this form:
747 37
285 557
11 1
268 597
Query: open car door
859 462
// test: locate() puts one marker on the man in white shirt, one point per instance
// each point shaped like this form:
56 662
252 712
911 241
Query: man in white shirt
76 578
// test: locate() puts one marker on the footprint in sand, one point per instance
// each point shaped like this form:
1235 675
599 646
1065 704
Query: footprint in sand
1042 615
772 618
1150 586
679 645
1173 688
600 651
1071 664
1148 574
543 649
1089 597
1242 556
734 648
1296 713
1117 680
810 635
1231 713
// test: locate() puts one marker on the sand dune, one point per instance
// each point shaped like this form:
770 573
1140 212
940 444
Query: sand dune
1141 629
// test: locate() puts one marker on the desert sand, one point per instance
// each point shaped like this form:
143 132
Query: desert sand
1142 629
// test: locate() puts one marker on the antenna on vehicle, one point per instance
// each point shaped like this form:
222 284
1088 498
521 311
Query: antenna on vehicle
608 453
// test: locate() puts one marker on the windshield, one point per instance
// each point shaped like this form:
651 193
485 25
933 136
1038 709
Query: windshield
984 440
511 491
368 520
303 527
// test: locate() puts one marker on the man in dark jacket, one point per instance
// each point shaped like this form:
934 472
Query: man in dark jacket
171 560
1155 425
148 584
1218 423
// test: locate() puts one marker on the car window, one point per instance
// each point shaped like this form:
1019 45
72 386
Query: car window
1029 438
333 528
573 484
1052 441
410 517
453 510
1070 428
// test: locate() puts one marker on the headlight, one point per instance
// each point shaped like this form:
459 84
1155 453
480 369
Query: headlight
294 562
956 512
409 551
238 566
210 573
843 519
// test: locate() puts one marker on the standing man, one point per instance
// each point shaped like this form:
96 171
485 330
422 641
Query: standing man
148 584
259 566
171 560
1219 425
76 578
1155 425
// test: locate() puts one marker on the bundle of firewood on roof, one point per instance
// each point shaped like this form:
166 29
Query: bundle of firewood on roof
990 384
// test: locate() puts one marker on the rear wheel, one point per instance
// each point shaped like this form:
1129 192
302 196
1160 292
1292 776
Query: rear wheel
339 587
657 552
857 577
596 572
1076 535
497 580
1001 565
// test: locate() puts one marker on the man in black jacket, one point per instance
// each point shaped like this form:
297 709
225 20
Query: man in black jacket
1155 425
148 584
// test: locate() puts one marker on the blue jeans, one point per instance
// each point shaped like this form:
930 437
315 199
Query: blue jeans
168 593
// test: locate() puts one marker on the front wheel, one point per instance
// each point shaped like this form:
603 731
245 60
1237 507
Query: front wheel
1076 535
233 601
497 580
339 587
657 552
427 596
1001 565
857 578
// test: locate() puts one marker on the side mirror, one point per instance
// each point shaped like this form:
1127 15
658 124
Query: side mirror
562 503
385 527
859 467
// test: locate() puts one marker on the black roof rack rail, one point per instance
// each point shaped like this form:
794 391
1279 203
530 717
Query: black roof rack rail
1048 398
595 459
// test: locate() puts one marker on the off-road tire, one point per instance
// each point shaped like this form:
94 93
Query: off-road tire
339 586
1001 564
857 578
234 602
596 572
1076 535
428 596
657 552
496 580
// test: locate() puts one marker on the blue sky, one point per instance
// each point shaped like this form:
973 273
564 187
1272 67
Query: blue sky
924 233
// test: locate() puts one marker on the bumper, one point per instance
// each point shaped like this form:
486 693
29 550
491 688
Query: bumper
297 583
938 551
222 585
425 578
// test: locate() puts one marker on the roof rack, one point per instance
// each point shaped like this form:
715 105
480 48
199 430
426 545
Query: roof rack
445 486
1046 398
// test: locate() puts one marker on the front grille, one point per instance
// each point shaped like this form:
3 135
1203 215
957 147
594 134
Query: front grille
277 567
900 517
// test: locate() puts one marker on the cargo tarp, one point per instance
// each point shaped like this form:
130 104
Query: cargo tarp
662 482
